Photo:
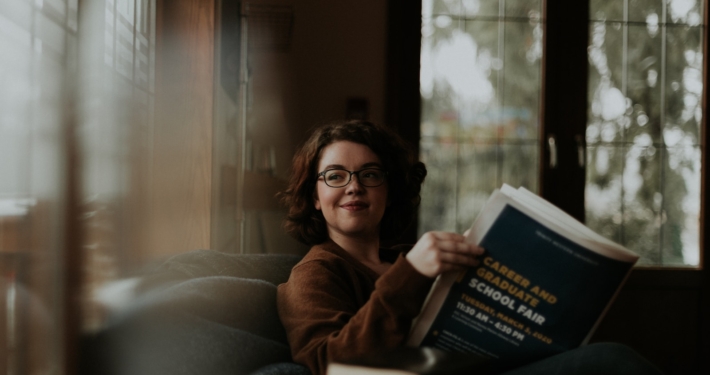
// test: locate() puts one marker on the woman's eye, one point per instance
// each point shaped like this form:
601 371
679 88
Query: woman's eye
334 177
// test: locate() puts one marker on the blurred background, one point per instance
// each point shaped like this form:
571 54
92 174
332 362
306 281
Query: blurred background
133 130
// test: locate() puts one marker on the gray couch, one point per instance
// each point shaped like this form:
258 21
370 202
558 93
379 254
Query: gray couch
201 312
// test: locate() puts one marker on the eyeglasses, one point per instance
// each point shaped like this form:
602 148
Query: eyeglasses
369 177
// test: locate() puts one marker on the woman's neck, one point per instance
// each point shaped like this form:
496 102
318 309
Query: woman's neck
364 249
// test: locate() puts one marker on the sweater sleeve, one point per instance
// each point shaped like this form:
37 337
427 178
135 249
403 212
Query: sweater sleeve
324 322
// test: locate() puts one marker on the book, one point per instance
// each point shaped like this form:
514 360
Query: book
542 286
412 361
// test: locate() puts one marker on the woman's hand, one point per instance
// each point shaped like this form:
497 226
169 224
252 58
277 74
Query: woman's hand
438 252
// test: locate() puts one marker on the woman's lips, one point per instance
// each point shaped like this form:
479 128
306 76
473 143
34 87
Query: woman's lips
355 206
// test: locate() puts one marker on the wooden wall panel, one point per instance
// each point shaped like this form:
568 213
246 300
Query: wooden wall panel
335 57
182 149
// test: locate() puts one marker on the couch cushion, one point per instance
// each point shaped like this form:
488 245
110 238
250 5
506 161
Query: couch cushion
178 344
273 268
246 304
206 325
201 312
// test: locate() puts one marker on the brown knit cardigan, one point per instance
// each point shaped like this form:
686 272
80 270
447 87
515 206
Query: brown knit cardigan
335 308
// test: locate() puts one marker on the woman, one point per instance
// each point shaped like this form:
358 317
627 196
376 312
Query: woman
353 186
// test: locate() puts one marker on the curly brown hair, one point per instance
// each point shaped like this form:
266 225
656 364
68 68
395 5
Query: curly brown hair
404 176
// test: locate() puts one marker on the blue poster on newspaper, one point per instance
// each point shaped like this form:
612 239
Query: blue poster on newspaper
534 294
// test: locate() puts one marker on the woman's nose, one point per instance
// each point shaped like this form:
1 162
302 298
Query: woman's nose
354 185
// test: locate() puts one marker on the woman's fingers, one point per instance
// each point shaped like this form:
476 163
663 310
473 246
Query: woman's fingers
438 252
451 242
448 236
458 259
460 247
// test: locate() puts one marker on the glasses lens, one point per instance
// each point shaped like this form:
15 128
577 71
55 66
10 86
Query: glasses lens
371 177
336 177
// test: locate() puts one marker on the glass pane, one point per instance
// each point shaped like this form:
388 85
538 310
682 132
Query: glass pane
478 176
451 7
607 104
481 8
478 81
469 8
649 11
519 165
439 86
688 12
603 190
609 10
642 199
480 109
643 88
681 206
645 95
439 190
523 8
523 55
684 80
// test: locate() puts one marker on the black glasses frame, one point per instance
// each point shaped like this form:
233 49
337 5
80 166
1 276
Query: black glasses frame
350 176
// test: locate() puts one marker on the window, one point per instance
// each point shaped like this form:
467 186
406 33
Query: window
63 74
480 83
643 132
621 89
481 124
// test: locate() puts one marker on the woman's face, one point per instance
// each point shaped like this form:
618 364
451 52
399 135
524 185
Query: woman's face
353 210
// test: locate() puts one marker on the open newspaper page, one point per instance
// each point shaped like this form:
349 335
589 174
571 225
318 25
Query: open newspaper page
542 286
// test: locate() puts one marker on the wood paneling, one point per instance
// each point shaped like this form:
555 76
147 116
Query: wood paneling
339 52
182 148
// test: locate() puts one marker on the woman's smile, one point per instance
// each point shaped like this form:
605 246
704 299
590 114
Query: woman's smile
355 206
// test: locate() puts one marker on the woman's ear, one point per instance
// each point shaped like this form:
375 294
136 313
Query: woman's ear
316 202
